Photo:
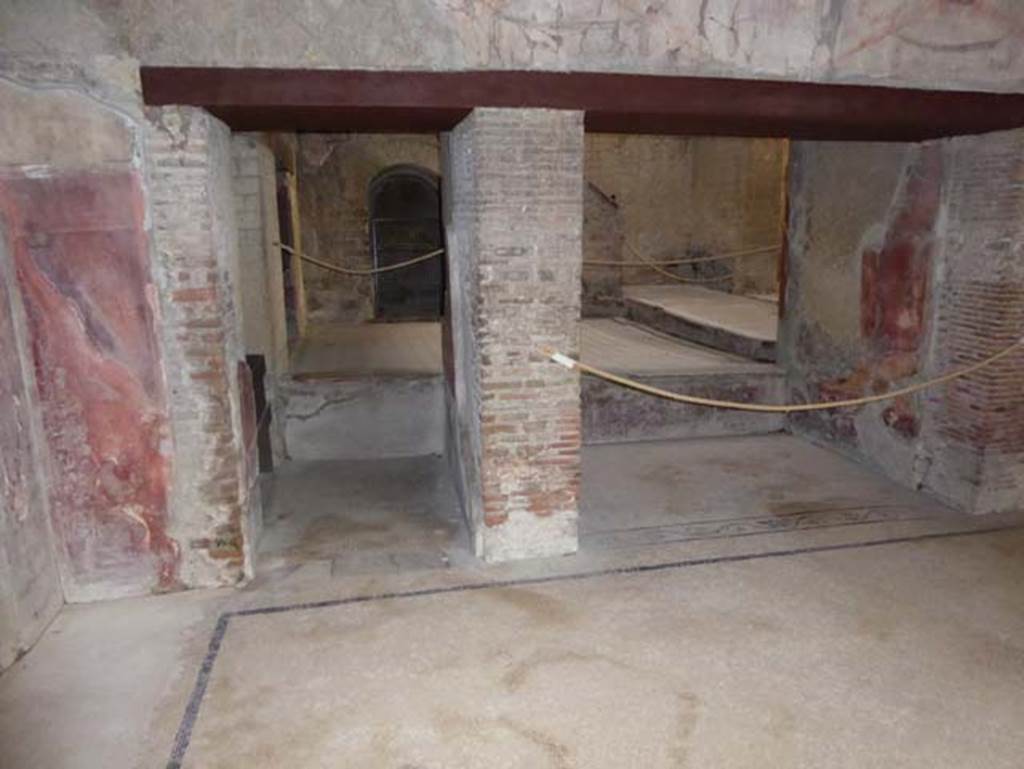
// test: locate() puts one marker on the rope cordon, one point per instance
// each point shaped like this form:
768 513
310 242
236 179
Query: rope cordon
784 408
656 266
644 262
371 271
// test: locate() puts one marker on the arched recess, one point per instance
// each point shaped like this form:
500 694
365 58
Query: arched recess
405 222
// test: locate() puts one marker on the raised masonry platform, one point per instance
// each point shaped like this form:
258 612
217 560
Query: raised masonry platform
375 390
615 414
737 324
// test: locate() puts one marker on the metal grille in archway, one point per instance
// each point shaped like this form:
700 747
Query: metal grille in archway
405 221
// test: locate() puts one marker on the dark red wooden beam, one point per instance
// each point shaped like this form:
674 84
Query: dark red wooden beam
362 100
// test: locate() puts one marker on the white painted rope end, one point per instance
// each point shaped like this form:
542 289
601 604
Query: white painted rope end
563 360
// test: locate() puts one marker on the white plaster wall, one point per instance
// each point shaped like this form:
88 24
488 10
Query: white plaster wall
935 44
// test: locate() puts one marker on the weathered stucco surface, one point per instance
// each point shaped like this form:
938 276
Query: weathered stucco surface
678 197
905 263
30 589
88 223
83 266
604 239
261 293
365 418
72 200
928 43
863 222
613 414
142 399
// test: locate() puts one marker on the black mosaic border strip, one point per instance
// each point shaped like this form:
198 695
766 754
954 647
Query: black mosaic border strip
183 737
184 734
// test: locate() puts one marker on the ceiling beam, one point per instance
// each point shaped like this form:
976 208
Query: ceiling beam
417 101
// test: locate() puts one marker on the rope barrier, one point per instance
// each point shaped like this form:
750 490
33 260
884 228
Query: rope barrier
691 260
656 266
715 279
371 271
678 278
694 400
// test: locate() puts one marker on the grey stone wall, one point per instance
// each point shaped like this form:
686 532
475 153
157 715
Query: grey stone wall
516 212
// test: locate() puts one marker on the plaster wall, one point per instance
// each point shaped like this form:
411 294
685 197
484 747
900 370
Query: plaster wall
677 197
853 245
260 273
942 44
365 418
908 269
604 240
30 589
72 202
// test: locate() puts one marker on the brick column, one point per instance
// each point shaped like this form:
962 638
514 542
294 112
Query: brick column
975 426
215 508
514 212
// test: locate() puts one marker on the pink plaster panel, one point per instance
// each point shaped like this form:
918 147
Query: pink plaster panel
81 256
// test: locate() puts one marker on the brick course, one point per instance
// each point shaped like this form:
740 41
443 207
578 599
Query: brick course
977 450
514 225
195 238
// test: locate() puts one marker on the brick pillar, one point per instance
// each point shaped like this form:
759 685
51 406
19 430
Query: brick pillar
514 212
975 427
215 507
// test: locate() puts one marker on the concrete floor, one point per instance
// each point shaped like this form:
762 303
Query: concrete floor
369 349
864 628
386 515
735 482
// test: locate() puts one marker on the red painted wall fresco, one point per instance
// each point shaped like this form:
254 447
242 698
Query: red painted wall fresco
82 263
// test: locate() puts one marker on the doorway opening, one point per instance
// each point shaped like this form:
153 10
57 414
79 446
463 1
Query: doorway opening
365 486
